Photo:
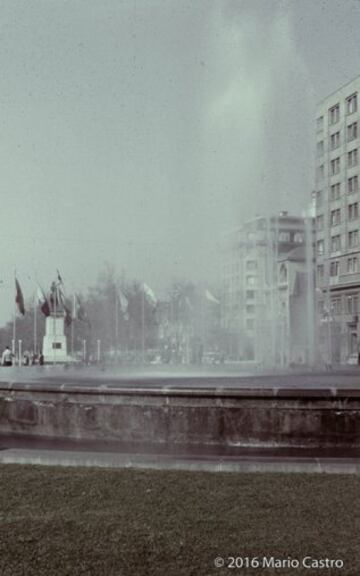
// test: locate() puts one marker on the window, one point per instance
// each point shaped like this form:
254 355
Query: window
352 304
320 172
319 197
353 185
334 268
335 191
353 238
353 211
284 236
250 323
351 132
320 247
283 274
335 243
351 104
336 305
299 237
353 342
320 273
321 306
251 265
320 222
250 309
320 123
335 166
250 280
352 158
335 217
334 114
320 148
250 294
352 265
335 141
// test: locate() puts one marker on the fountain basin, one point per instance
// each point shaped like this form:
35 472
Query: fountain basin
144 415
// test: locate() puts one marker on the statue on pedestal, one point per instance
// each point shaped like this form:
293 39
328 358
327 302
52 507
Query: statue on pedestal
54 343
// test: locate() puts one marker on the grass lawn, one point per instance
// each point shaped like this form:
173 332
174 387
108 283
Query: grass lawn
57 521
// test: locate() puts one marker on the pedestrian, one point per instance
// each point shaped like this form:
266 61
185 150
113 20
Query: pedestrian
41 359
7 356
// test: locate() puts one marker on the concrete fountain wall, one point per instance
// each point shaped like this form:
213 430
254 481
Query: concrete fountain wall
219 418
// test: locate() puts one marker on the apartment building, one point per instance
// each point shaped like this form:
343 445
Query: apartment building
256 305
337 224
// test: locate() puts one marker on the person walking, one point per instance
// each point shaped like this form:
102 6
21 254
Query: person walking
7 357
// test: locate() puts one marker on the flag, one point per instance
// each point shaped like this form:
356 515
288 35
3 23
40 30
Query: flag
43 302
124 304
149 294
66 309
79 311
188 303
19 298
211 297
67 315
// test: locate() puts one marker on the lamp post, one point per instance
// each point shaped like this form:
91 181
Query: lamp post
20 352
327 317
84 351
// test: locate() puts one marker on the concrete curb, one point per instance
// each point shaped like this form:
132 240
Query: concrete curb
246 464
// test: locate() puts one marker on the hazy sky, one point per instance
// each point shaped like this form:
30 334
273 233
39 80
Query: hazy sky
136 132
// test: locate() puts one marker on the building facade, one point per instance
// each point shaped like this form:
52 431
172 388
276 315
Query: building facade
256 305
337 225
295 318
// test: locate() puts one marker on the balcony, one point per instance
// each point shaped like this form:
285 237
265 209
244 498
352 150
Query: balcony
346 280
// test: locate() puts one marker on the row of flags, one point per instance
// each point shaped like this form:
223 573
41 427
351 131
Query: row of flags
58 299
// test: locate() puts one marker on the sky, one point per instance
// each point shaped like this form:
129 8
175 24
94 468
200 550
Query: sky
135 133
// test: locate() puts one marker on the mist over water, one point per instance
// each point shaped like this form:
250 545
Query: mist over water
136 133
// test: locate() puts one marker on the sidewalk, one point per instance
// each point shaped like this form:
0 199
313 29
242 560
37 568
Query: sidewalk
249 462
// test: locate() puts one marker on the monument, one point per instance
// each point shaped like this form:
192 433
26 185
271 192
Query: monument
54 342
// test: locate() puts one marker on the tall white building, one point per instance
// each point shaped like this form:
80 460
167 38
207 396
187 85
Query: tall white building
337 224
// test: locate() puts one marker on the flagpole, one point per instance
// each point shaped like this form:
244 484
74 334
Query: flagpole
54 312
202 331
116 324
13 344
143 325
35 325
72 327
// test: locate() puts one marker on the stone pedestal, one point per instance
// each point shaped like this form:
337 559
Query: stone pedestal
54 343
